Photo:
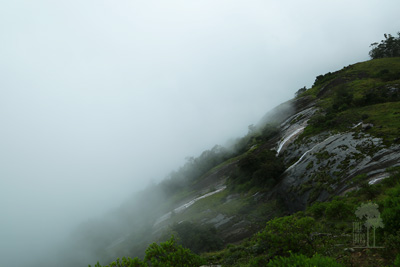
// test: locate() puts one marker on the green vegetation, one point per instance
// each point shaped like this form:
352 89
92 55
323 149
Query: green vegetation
391 213
198 238
259 168
320 235
297 260
360 92
166 254
390 47
287 234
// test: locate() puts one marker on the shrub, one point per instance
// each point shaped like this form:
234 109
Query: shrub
397 260
169 254
125 262
338 209
318 209
166 254
297 260
263 168
198 238
391 210
288 233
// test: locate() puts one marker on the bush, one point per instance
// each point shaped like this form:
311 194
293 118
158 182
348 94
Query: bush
288 233
397 260
391 210
297 260
166 254
338 210
125 262
198 238
318 209
343 99
169 254
263 168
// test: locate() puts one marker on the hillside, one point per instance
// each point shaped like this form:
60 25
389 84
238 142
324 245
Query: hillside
304 168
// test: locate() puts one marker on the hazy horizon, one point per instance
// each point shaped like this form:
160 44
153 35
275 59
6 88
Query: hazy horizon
100 99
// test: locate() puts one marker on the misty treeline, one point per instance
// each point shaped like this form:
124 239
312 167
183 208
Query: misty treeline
389 47
195 168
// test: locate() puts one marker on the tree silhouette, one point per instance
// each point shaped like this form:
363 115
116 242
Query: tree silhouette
390 47
370 212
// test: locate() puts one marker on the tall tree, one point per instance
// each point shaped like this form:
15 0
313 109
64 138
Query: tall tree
390 47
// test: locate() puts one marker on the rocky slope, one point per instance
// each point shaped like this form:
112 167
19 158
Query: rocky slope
331 138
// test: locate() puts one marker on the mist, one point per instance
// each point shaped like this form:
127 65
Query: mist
101 98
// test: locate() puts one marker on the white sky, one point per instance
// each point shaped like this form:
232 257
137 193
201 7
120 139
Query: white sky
97 98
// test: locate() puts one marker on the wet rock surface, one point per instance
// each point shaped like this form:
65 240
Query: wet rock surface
324 165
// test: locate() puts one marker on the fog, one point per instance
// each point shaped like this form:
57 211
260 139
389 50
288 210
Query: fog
101 98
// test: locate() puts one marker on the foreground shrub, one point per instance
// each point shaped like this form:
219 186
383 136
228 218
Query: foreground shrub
391 210
169 254
299 260
166 254
198 238
289 233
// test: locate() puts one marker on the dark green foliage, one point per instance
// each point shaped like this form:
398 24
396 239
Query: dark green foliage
390 47
387 75
125 262
299 260
343 99
169 254
381 95
370 191
288 233
320 79
391 211
318 209
235 254
339 210
262 168
258 261
198 238
397 260
166 254
391 242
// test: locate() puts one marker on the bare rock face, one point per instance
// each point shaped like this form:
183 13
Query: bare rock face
324 165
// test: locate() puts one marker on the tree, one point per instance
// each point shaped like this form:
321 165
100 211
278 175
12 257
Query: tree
390 47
